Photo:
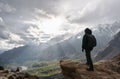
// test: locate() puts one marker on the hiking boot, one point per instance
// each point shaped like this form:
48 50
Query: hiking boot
87 64
90 69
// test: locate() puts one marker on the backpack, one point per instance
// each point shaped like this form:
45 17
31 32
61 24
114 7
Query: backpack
91 41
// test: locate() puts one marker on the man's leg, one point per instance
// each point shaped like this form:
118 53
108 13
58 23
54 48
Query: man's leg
89 60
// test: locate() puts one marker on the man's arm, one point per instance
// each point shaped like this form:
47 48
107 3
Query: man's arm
84 41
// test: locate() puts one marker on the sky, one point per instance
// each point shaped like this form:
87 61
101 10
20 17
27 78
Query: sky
37 21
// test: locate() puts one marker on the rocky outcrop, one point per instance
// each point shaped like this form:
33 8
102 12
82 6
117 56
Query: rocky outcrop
1 68
5 74
115 64
103 70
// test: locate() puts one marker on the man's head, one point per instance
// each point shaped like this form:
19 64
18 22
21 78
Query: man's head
88 31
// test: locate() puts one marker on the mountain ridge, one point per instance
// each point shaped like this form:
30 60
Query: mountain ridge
111 50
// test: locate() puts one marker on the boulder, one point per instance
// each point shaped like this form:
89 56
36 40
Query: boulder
1 68
11 77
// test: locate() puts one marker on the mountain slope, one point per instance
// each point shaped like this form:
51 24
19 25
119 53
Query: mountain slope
112 49
19 55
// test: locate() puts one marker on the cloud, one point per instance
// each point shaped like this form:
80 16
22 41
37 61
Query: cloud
9 40
41 13
14 38
98 11
6 45
6 8
77 11
4 33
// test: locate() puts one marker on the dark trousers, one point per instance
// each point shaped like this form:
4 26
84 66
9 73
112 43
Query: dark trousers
89 60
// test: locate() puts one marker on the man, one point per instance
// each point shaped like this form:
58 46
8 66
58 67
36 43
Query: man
88 43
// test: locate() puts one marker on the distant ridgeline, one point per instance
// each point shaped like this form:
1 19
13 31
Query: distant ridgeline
111 50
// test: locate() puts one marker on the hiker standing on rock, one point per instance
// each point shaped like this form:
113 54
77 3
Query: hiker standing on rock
88 43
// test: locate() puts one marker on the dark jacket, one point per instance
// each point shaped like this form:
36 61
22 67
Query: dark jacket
85 42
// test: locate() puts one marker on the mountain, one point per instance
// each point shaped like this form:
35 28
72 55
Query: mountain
102 70
20 54
1 51
111 50
71 48
60 48
103 32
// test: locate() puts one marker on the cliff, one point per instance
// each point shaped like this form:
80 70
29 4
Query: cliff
103 70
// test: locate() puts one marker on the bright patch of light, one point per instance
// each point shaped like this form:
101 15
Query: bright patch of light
52 26
42 30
